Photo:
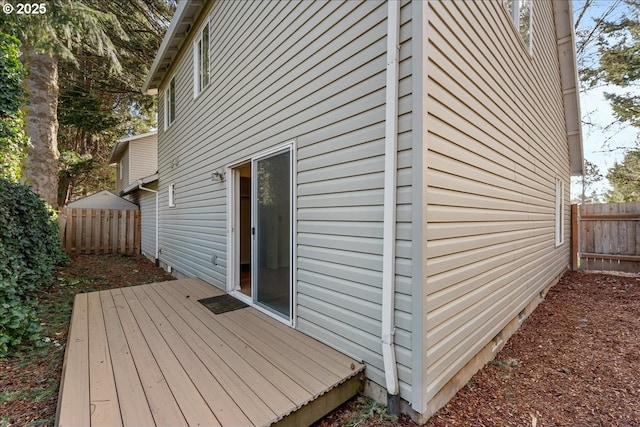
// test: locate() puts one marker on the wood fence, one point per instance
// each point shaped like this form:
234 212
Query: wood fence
99 231
606 236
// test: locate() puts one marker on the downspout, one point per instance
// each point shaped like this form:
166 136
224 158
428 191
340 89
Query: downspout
140 187
389 225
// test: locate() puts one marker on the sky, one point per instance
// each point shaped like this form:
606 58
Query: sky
601 147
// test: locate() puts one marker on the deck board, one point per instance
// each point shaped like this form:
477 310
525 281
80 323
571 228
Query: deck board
287 379
191 403
102 388
74 405
133 404
230 369
153 355
223 407
164 408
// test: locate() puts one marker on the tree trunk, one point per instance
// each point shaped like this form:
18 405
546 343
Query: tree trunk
41 165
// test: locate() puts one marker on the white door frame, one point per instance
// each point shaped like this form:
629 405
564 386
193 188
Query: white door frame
233 236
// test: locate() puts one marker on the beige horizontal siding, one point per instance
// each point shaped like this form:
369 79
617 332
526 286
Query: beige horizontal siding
143 156
123 171
147 202
496 143
313 72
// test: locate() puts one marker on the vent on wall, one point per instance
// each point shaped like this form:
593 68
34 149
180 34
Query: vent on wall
497 341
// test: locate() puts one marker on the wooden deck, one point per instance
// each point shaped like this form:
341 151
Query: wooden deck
152 355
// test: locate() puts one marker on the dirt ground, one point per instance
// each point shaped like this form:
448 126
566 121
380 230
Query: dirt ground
574 362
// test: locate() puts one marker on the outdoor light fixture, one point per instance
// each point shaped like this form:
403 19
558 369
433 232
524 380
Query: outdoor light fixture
217 176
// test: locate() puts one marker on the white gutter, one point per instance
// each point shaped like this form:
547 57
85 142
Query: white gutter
389 225
140 187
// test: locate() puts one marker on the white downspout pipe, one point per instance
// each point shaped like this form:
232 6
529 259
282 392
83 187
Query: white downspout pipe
140 187
389 225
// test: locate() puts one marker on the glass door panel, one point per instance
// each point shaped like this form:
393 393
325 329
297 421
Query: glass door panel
272 233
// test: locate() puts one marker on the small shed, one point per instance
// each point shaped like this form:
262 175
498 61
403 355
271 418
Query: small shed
104 199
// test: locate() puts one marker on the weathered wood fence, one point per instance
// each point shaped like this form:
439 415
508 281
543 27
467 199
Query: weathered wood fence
606 236
99 231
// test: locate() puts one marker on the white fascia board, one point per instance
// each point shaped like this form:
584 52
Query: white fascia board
565 36
187 10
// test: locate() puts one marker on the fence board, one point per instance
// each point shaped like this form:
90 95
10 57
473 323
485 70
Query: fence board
104 221
94 231
89 231
609 237
113 235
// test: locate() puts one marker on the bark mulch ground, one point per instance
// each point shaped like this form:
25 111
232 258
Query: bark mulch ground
574 362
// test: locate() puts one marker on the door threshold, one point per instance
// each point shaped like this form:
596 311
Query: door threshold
246 299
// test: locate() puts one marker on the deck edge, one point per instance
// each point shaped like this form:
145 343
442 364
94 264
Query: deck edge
309 411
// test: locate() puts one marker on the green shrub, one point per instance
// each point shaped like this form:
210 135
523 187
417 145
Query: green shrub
13 141
29 250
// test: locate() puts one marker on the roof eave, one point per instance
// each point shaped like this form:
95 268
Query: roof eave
185 15
137 183
116 153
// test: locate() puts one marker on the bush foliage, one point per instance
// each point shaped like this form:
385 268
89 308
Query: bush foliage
29 250
13 141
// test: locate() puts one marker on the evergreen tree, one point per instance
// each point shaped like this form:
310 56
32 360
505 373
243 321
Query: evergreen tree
75 43
97 107
618 61
625 179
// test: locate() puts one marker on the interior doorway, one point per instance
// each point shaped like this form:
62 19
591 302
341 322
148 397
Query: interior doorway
244 227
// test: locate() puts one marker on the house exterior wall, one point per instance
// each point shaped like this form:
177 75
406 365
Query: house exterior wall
316 76
122 172
496 141
143 156
147 202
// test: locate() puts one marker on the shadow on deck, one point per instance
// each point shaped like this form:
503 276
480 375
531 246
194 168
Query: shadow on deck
153 355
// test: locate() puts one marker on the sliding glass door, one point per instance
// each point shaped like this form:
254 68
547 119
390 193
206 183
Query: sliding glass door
271 230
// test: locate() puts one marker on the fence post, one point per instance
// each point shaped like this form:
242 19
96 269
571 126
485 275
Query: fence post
575 256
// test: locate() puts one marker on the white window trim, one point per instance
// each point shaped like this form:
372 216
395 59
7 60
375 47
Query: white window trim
197 90
172 195
559 212
167 96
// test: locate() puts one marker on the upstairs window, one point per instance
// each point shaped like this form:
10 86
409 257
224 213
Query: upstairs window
170 103
201 61
521 14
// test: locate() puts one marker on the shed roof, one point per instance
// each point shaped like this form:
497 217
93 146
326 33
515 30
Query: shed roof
104 199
